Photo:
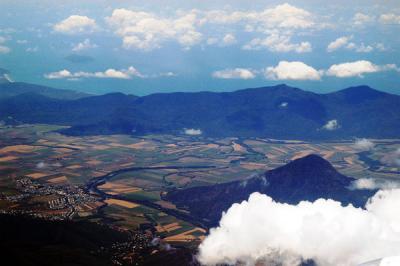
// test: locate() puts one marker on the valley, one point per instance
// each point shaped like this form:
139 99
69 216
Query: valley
123 180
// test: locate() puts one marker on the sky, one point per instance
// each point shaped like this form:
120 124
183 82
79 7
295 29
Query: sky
144 47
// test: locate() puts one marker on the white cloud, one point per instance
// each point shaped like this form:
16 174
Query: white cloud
344 42
235 73
284 104
331 125
364 144
167 74
147 31
22 41
32 49
374 183
212 40
261 230
225 40
276 42
361 19
4 49
381 47
86 44
338 43
193 132
284 16
389 18
229 39
357 69
76 24
364 48
292 71
109 73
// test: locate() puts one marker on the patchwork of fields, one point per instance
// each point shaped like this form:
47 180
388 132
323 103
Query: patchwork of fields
39 153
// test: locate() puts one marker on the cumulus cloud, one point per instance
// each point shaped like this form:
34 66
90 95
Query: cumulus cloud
86 44
147 31
226 40
235 73
362 48
360 19
262 230
193 131
338 43
229 39
364 144
277 42
292 71
344 42
283 16
357 69
76 24
331 125
389 18
388 261
109 73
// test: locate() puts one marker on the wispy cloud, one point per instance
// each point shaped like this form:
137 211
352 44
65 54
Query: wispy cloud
86 44
235 73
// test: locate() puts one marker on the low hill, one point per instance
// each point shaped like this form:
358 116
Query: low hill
308 178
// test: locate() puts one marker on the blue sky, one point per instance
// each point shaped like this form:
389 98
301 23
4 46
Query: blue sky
142 47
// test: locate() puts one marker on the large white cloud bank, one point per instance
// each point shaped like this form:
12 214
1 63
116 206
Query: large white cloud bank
261 230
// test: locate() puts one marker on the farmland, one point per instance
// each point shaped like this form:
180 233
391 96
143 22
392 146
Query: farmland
130 174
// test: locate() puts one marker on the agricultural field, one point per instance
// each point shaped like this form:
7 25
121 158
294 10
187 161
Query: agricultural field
130 174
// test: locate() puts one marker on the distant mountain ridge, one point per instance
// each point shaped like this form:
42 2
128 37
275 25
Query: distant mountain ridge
12 89
308 178
280 111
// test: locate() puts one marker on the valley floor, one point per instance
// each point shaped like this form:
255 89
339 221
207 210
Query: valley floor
120 180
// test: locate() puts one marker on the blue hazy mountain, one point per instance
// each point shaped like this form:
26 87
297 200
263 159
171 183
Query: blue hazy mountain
308 178
277 112
10 89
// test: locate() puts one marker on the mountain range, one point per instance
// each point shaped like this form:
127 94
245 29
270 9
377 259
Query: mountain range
10 89
280 111
305 179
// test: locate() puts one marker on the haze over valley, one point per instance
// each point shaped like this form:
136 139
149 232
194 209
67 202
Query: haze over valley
199 133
